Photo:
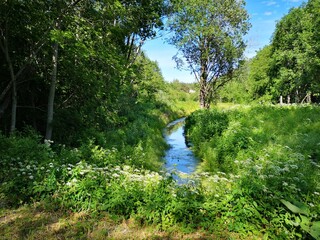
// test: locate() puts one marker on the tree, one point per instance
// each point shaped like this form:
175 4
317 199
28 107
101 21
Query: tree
295 53
20 42
209 36
238 90
76 64
287 54
55 55
313 47
258 78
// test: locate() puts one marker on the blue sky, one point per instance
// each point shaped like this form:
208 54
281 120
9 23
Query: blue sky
264 15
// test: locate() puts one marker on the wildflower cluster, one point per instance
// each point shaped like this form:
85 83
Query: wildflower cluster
111 173
264 157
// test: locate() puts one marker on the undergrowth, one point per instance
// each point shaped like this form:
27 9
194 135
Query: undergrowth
270 158
258 179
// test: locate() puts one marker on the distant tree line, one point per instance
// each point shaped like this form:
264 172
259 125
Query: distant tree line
288 69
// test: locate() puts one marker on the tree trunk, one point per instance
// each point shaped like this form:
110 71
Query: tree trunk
202 98
14 104
5 49
309 98
297 98
52 91
204 95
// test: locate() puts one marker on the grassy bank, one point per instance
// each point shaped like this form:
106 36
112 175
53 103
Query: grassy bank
90 184
258 180
264 166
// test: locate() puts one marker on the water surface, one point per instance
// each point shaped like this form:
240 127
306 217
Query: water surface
179 158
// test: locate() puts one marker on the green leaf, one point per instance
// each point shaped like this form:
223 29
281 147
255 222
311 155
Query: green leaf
315 230
301 209
305 223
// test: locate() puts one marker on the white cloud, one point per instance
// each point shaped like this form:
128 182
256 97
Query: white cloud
271 2
268 13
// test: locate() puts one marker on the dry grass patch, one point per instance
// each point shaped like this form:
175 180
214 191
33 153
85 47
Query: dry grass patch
33 222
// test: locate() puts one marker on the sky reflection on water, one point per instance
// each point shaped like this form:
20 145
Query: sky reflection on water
179 158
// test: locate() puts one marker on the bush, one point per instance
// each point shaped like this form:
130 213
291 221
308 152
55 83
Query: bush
23 160
270 159
202 125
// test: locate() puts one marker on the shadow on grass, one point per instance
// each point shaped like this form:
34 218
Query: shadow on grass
33 222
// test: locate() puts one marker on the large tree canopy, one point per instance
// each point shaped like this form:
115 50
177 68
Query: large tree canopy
209 36
295 53
84 53
287 69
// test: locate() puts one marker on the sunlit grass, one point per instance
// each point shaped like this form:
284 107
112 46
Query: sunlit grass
254 159
267 153
33 222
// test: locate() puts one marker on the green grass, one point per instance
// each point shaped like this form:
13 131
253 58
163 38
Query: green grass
258 180
34 222
268 154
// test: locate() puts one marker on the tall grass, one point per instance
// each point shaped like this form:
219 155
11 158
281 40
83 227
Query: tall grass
272 155
258 180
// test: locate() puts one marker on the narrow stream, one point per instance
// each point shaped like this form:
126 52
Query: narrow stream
179 159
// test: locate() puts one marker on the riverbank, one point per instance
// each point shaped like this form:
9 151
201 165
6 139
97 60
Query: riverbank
263 165
269 171
56 190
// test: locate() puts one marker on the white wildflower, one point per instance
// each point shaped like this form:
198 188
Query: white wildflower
115 175
126 168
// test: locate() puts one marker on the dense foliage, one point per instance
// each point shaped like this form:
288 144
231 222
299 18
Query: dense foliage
287 70
82 110
77 59
270 162
259 176
209 37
